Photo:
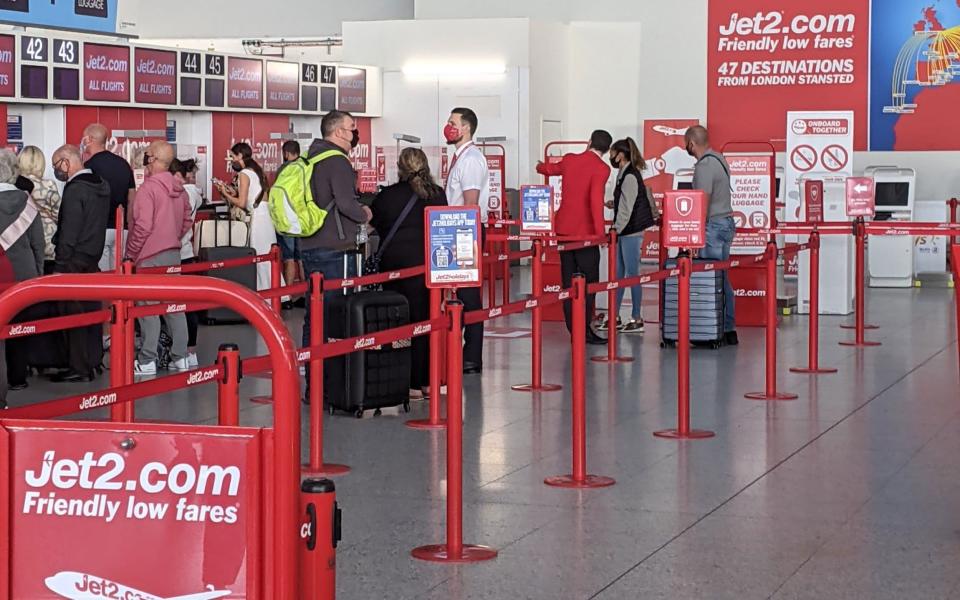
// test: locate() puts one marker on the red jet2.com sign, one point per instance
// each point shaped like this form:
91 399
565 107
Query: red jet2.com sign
684 219
168 514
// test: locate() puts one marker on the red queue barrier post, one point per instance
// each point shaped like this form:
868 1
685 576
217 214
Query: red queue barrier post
435 421
955 268
129 345
579 478
491 250
683 431
118 355
813 350
454 550
276 277
771 393
661 266
536 329
953 203
316 465
859 231
505 265
613 309
860 237
228 386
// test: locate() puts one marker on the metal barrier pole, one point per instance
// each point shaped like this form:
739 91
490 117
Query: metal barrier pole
492 252
276 277
536 329
813 351
579 478
771 392
613 309
316 466
683 431
129 345
506 274
661 266
436 356
318 558
454 550
861 239
228 387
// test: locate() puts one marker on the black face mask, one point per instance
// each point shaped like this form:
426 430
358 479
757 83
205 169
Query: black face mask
236 166
356 138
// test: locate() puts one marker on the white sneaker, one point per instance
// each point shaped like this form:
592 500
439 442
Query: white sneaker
181 364
192 361
143 369
106 343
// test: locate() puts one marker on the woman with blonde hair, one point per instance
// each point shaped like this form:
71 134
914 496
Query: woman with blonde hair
45 195
398 219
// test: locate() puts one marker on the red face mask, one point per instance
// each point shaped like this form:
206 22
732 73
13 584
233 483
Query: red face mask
451 133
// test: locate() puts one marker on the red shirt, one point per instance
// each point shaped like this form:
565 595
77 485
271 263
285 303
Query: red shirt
584 181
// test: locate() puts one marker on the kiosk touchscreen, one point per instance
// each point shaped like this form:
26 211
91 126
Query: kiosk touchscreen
890 258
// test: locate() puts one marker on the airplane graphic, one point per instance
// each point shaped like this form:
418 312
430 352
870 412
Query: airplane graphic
82 586
668 131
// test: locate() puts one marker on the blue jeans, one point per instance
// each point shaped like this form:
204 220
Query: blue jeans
720 232
330 264
628 265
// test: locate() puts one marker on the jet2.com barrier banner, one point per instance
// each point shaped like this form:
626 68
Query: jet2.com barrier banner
895 63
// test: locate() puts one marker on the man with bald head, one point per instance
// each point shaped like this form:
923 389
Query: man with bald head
117 173
159 219
78 243
712 175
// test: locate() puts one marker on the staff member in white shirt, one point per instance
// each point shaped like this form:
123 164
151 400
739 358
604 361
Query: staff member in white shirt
468 184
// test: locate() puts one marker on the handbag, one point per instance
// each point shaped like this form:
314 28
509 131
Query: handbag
372 265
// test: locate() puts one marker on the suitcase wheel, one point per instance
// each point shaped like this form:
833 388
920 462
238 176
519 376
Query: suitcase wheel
358 413
331 410
377 413
406 407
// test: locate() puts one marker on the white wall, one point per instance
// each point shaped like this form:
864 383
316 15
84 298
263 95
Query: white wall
43 126
256 19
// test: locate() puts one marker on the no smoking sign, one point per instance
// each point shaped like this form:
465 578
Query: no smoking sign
803 158
834 158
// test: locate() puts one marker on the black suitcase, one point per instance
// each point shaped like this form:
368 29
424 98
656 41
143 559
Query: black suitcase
706 308
368 379
245 275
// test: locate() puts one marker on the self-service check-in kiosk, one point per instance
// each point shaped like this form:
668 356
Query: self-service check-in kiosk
837 282
890 257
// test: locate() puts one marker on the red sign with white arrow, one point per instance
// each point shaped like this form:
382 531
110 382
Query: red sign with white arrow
860 197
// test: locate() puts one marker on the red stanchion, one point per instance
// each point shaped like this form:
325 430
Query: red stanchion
454 550
613 309
860 275
316 465
579 478
536 329
953 203
228 386
661 265
491 249
955 267
505 274
128 344
771 392
118 358
813 350
683 431
276 277
436 357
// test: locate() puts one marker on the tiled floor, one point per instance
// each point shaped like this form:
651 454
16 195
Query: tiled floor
850 492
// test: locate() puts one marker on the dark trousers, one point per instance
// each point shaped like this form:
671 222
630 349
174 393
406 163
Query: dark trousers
418 296
19 349
84 344
587 262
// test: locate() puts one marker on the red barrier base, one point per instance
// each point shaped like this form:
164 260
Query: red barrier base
528 387
818 371
854 327
765 396
860 344
438 553
616 359
590 481
261 399
676 434
426 424
325 470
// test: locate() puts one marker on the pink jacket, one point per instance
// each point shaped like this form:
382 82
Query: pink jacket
160 217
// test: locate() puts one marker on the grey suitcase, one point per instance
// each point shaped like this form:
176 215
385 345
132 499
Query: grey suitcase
706 308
